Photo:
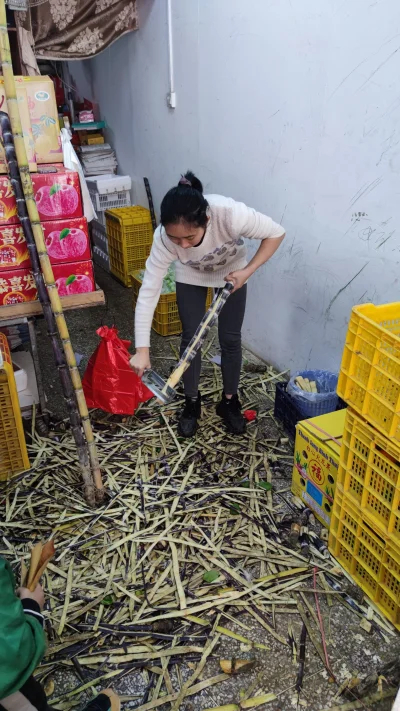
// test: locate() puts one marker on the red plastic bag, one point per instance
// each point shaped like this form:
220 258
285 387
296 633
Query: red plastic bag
109 382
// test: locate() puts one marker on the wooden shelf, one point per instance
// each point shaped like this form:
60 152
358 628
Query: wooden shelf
33 308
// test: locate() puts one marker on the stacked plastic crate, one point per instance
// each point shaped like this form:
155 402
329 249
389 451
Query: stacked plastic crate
130 236
166 321
107 192
365 526
13 454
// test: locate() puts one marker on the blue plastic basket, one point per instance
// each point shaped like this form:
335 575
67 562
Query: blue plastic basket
314 404
287 411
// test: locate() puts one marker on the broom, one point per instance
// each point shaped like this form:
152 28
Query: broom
36 230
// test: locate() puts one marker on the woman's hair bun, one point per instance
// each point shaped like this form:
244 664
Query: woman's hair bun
185 203
190 180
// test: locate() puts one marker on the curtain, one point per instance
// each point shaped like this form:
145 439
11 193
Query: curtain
77 29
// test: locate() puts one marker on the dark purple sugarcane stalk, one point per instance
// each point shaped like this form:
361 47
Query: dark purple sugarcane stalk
65 378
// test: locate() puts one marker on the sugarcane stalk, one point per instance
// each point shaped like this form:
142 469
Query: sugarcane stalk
199 337
302 660
46 268
66 383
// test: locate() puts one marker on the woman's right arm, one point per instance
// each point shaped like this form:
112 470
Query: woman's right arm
156 268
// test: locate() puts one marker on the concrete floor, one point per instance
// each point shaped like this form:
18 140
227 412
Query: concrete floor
351 650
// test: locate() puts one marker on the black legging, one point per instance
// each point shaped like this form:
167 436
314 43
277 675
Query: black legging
191 306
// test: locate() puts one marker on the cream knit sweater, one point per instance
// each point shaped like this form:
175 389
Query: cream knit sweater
222 251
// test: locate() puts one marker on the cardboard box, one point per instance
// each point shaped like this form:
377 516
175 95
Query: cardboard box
75 278
88 138
66 241
43 113
13 248
58 196
26 128
8 205
316 462
17 286
95 140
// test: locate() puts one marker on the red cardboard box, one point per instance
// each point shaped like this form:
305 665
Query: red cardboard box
75 278
17 286
66 240
13 248
8 205
58 195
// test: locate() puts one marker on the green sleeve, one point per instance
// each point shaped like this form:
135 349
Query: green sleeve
22 641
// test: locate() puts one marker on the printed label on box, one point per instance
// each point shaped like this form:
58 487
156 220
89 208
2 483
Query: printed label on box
13 248
57 195
17 286
8 205
42 96
67 240
74 278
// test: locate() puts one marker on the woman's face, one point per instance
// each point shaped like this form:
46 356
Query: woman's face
185 235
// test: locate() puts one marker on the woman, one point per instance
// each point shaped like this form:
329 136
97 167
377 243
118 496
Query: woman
204 236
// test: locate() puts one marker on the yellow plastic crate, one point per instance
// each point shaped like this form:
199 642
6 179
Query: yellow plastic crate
13 454
369 474
130 236
372 560
369 379
166 321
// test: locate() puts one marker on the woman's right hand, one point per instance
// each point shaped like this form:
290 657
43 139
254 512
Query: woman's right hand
140 361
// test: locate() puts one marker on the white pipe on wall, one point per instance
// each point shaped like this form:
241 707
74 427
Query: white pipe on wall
172 94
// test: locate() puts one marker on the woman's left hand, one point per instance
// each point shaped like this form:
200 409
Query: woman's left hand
238 278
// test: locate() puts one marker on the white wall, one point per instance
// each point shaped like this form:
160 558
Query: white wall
81 80
292 106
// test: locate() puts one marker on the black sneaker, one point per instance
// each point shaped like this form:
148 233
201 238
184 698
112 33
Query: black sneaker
107 700
231 413
187 424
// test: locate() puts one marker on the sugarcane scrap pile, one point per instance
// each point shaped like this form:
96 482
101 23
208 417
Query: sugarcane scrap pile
189 536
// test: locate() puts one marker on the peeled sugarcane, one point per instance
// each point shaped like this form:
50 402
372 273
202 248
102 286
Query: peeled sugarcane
41 555
66 383
36 228
309 386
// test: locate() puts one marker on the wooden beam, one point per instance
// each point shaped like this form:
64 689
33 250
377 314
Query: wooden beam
73 301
